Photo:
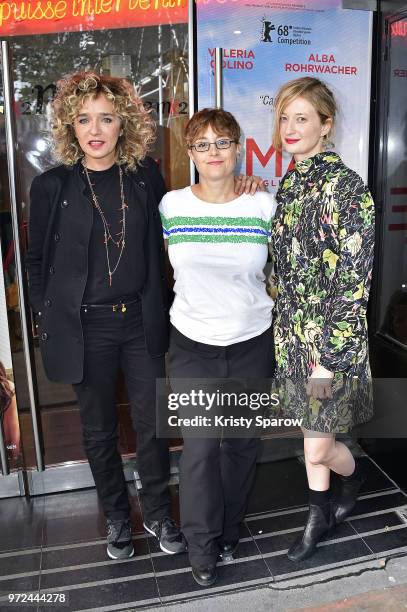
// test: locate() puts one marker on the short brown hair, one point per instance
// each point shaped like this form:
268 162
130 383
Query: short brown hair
315 92
137 125
222 122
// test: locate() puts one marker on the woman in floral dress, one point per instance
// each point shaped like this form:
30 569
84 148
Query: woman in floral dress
323 248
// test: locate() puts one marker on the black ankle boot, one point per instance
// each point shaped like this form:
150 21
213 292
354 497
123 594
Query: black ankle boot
345 500
317 525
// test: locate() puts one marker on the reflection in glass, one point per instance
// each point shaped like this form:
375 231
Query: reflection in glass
10 330
393 306
155 60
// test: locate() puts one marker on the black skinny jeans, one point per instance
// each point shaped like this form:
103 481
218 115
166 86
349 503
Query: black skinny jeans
115 340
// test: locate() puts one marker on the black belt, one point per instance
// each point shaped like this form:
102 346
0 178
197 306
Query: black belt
120 306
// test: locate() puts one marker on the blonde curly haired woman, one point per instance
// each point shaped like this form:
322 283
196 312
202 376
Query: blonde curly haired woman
98 286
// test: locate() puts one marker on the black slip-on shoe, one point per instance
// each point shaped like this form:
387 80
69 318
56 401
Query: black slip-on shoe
206 576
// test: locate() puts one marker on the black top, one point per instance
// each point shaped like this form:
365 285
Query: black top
129 277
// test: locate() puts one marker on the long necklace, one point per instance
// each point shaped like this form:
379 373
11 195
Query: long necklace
121 242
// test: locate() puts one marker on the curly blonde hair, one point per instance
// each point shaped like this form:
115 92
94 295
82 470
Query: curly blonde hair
138 127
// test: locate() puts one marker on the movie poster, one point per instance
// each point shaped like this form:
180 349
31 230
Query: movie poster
267 43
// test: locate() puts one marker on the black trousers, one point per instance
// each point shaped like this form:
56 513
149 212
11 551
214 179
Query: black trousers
115 340
216 474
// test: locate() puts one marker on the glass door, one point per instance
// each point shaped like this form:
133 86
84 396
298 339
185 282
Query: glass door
155 59
388 305
393 264
11 459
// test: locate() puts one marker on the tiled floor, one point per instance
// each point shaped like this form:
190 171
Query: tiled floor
55 544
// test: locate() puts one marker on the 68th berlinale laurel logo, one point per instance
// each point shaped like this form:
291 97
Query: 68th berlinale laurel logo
266 30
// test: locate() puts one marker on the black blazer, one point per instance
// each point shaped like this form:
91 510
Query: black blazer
57 263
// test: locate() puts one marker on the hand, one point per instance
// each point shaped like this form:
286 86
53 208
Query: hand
249 184
319 385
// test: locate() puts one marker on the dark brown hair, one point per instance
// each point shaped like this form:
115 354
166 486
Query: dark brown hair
222 122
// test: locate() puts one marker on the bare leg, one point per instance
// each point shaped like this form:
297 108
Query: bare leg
322 454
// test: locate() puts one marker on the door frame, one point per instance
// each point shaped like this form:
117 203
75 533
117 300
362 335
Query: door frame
70 475
389 12
11 153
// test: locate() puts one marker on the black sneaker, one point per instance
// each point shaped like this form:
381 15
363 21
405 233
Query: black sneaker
168 534
119 542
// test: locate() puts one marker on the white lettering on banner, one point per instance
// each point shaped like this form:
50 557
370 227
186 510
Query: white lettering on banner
259 421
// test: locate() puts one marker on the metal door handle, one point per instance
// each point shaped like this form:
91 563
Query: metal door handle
218 77
5 468
191 74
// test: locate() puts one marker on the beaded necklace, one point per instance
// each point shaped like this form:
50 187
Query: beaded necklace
121 242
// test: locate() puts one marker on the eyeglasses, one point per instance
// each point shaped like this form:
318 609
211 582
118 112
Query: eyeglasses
202 147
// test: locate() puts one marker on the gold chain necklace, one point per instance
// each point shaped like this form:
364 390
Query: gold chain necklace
121 242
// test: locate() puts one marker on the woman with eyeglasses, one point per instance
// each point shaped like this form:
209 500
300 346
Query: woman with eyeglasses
221 329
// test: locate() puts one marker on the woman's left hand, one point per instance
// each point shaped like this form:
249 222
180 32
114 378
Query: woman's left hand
319 385
249 184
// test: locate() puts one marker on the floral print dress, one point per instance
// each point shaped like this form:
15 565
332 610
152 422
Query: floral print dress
323 237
